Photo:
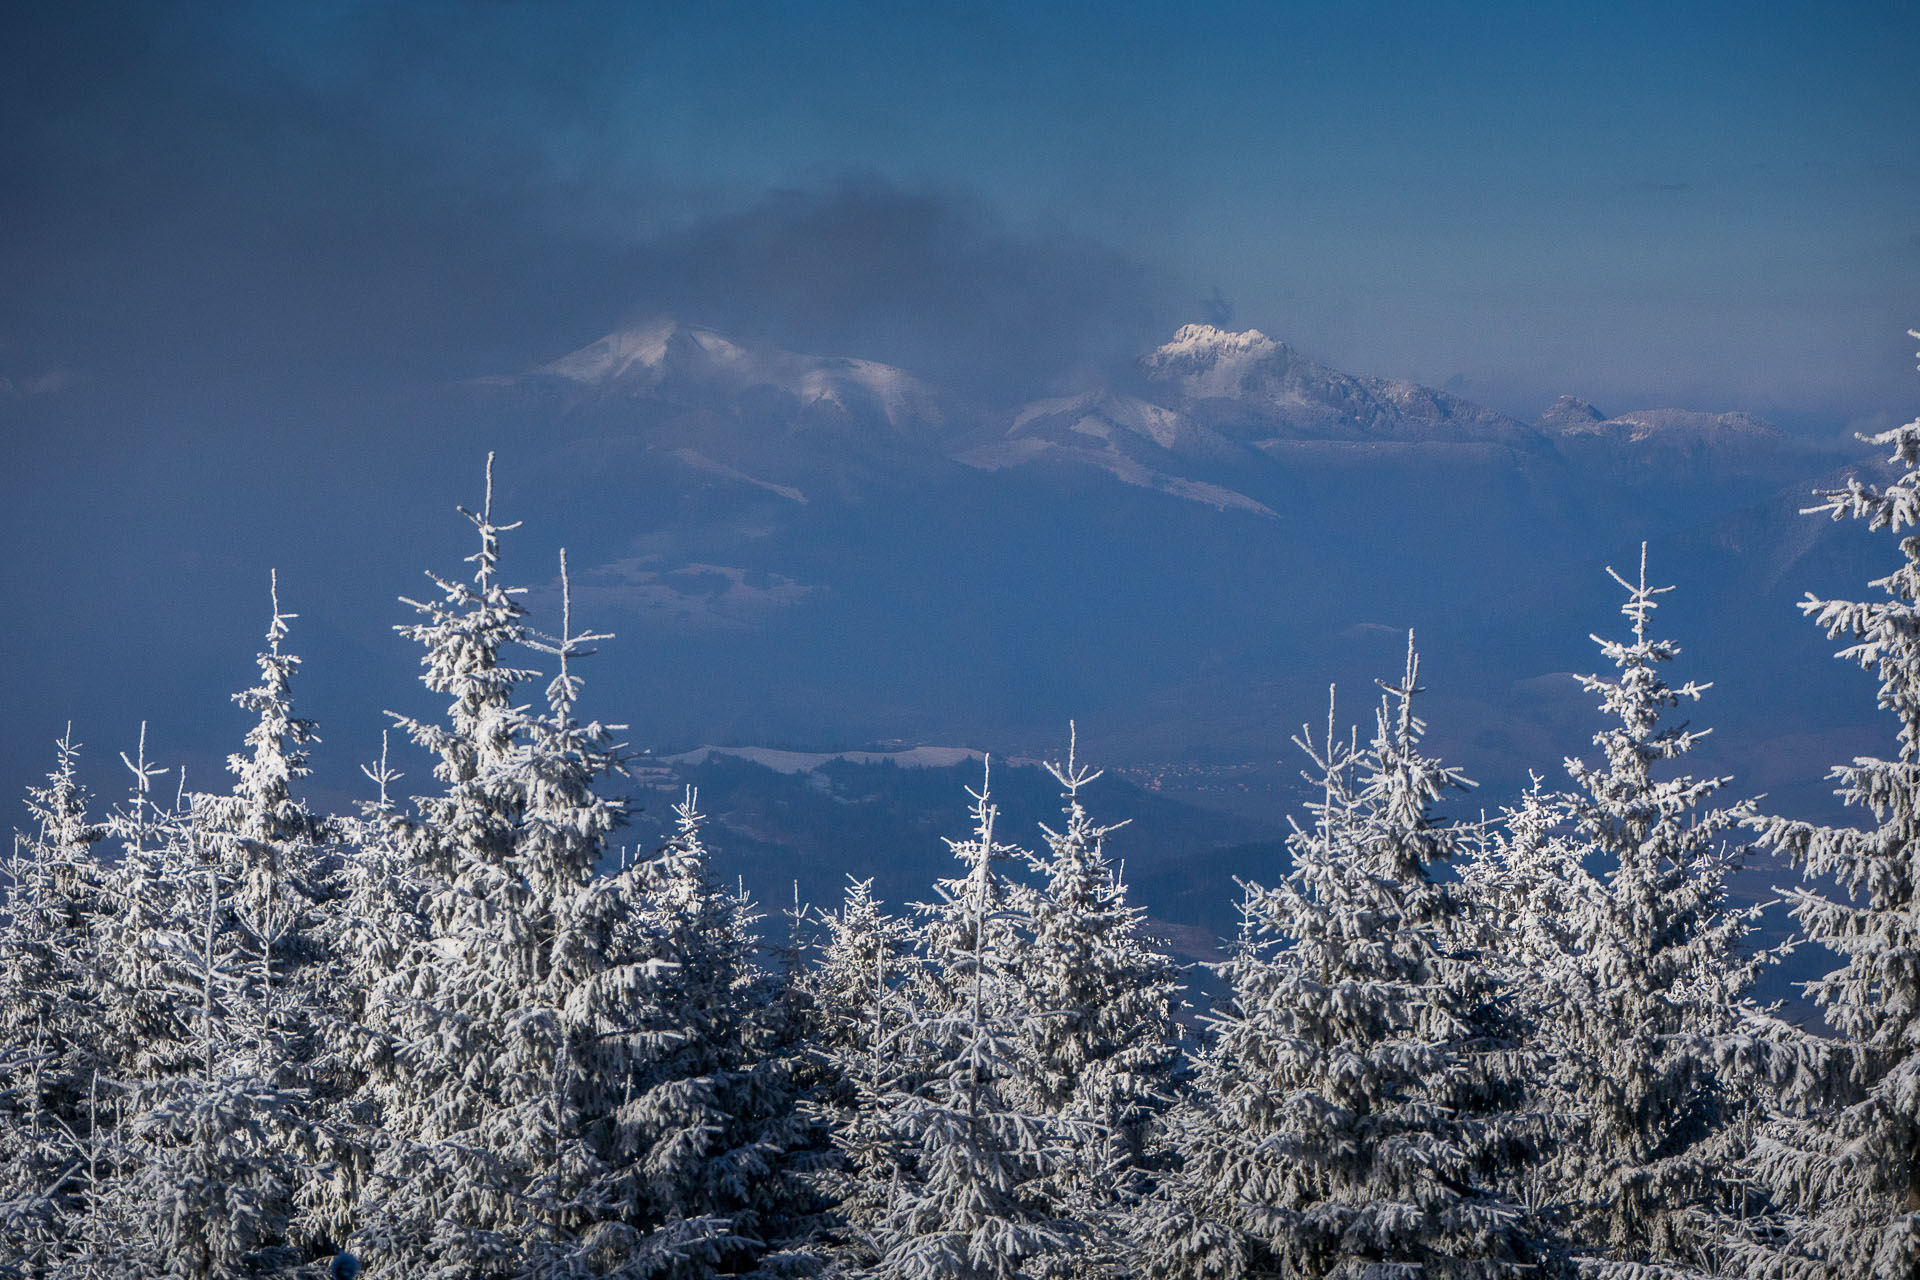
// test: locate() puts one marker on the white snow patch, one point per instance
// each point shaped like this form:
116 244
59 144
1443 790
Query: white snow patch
701 462
808 761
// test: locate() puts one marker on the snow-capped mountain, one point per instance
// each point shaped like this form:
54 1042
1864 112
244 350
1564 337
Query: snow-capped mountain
1227 415
1238 422
1571 418
677 364
1253 388
1679 444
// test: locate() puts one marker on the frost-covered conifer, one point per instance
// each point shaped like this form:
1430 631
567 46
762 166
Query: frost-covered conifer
382 914
463 636
472 1082
203 1129
569 1074
707 1120
1528 891
1843 1166
48 1057
1663 976
1100 1044
859 999
971 1195
864 959
1350 1116
147 898
212 1151
219 1144
267 839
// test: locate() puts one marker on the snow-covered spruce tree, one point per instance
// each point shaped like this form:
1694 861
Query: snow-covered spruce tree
212 1151
1103 1045
382 912
289 907
373 926
857 1000
464 635
202 1131
181 1154
171 986
1528 891
218 1148
141 1036
467 1037
563 1065
706 1147
1843 1166
269 842
1660 991
52 891
1350 1116
972 1194
864 958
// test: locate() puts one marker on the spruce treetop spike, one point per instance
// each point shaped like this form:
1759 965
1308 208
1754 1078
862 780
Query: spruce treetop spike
489 554
1072 776
1640 598
1405 726
277 628
688 811
380 774
143 773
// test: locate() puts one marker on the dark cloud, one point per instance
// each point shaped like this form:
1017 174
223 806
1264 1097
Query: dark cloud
387 199
1216 309
179 202
928 280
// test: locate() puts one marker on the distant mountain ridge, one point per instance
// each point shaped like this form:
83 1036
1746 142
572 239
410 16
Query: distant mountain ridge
1569 416
676 363
1225 419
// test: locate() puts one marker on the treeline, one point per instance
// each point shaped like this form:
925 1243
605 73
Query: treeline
241 1038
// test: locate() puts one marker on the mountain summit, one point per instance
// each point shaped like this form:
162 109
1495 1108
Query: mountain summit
1254 388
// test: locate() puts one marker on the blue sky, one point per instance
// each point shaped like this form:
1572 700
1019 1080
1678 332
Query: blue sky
1703 205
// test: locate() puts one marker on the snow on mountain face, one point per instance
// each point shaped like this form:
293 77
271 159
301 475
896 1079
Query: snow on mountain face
1569 414
1136 441
1671 426
1253 388
1227 420
1209 362
1119 420
1225 403
1221 407
1686 443
667 360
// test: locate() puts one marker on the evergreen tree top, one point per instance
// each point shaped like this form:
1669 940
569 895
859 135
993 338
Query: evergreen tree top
276 741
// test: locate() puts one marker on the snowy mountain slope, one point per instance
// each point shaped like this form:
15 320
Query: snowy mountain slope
1231 421
1572 418
1680 447
1250 387
1225 413
666 361
1136 441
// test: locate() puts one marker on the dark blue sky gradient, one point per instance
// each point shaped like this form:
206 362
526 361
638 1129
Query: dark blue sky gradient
1700 205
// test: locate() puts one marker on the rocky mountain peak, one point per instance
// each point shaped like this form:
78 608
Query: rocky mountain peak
1569 413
